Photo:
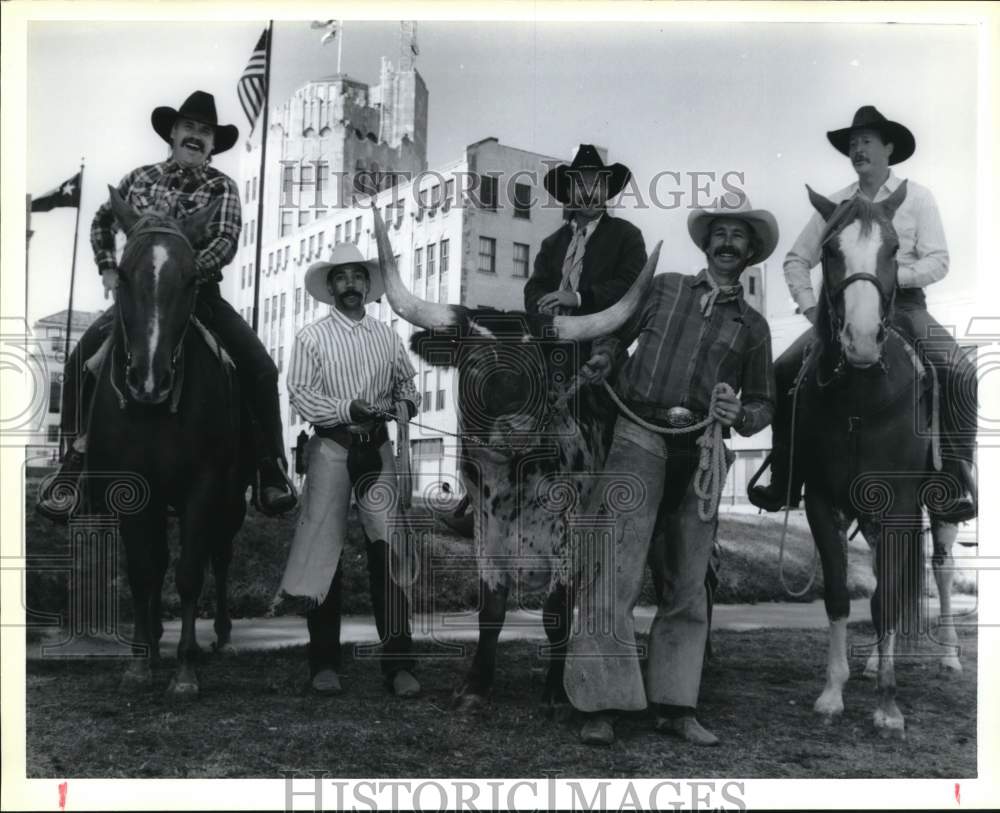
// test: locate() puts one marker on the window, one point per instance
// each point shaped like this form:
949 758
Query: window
298 301
436 196
282 311
440 391
302 249
55 334
246 194
399 213
286 223
347 232
449 192
303 217
488 255
357 228
288 251
270 262
387 219
53 433
521 260
253 189
322 171
312 245
55 391
243 276
338 234
418 263
431 272
522 201
752 285
267 311
443 262
488 193
319 244
281 357
287 185
427 389
307 183
252 236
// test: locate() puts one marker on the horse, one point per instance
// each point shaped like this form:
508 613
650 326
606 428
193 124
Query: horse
866 452
166 409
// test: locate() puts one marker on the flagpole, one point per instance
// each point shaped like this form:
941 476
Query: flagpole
27 255
340 43
263 172
72 272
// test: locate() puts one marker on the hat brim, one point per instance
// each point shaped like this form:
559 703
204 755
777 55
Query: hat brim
556 180
902 140
317 273
163 118
763 223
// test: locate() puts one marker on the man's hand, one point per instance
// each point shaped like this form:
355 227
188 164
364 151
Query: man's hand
727 407
361 411
110 280
810 314
549 302
596 369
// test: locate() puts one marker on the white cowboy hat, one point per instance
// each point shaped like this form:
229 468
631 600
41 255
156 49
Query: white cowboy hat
760 220
343 254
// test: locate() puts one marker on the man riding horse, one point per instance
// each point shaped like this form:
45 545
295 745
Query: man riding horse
178 187
874 144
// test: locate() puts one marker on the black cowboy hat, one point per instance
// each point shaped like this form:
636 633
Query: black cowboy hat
556 180
868 117
199 106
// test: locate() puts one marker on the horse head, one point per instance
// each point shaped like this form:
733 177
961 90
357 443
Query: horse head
859 244
157 288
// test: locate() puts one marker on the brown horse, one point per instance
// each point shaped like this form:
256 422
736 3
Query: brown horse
166 409
865 418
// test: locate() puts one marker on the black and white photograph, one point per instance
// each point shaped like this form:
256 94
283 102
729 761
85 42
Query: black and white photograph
512 406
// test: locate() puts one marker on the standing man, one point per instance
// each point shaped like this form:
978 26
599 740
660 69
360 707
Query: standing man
588 263
178 187
347 371
702 351
874 144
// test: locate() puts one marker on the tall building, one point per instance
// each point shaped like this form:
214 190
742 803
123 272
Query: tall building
49 351
464 233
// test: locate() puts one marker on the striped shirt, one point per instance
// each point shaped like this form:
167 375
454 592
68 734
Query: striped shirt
177 192
337 360
682 355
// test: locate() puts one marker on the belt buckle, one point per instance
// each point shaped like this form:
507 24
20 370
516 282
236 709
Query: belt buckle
679 417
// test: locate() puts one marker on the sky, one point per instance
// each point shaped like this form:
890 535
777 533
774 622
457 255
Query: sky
753 98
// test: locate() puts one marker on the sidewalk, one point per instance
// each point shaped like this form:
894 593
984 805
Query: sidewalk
525 625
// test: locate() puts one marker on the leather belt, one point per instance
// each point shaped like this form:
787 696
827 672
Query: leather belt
677 417
348 438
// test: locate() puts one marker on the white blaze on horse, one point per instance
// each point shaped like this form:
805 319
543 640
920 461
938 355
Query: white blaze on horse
866 407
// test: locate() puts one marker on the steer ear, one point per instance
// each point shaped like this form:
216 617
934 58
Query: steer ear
824 206
124 214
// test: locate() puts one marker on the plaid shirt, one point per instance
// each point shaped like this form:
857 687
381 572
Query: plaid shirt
177 192
682 355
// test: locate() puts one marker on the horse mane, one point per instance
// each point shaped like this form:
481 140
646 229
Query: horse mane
151 225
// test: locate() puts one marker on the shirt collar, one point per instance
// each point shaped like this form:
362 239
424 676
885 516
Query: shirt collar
591 226
890 185
171 167
347 323
701 279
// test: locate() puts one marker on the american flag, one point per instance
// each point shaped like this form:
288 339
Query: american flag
251 87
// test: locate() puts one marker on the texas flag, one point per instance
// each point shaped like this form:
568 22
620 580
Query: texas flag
66 194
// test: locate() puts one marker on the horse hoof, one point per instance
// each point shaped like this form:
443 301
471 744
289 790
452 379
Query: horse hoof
828 707
226 650
560 712
187 689
889 727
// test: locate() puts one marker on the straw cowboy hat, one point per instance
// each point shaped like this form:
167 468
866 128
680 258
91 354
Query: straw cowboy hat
343 254
199 106
760 220
557 179
868 117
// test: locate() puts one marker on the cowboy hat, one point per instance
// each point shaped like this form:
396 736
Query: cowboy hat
868 117
557 179
760 220
199 106
343 254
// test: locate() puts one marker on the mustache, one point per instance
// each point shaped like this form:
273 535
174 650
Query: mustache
346 294
725 250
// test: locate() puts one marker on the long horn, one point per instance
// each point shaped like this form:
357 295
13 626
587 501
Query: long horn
607 321
412 308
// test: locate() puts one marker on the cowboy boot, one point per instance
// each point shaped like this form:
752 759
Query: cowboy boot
772 496
273 491
57 496
964 508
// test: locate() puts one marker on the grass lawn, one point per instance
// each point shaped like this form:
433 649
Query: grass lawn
749 571
255 718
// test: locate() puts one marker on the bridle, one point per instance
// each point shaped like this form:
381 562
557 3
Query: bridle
831 294
153 224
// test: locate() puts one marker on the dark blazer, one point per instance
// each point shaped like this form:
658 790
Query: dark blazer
614 257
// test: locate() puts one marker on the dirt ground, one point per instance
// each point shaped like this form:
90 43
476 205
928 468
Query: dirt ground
255 718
